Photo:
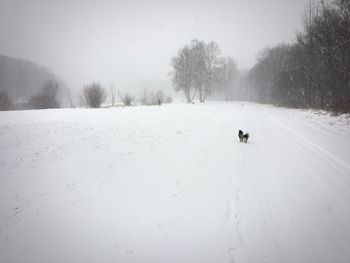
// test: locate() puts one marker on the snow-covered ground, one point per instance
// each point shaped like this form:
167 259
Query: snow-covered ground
173 184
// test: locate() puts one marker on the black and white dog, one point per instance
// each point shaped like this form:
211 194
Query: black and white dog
243 137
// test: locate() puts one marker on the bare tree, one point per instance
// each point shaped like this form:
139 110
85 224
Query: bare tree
93 95
144 98
212 64
5 101
152 97
126 98
194 69
47 98
71 99
112 94
199 73
228 74
182 78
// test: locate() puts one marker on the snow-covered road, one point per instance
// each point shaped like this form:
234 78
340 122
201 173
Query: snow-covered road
173 184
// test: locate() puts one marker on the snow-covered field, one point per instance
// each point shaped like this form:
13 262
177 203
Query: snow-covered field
173 184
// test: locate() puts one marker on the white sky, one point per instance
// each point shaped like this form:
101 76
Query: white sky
131 42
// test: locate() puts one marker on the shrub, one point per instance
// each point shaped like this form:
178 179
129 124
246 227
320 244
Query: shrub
168 99
93 95
127 99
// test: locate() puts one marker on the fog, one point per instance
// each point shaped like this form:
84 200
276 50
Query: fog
130 43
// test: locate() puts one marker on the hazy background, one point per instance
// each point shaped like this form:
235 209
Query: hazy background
130 43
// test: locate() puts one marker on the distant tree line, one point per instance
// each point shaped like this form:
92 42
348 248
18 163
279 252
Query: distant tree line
46 98
313 72
154 97
94 95
198 69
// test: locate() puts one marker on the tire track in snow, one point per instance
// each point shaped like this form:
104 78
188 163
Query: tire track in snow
334 160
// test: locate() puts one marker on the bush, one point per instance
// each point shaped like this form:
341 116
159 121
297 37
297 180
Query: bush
5 101
127 99
47 98
168 99
93 95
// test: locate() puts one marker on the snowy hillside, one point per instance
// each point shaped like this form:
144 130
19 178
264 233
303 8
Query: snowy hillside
174 184
21 79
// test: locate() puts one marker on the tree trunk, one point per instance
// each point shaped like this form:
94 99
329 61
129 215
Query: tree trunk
194 94
205 96
227 93
187 93
200 93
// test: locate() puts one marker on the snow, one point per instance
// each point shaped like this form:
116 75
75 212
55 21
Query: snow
174 184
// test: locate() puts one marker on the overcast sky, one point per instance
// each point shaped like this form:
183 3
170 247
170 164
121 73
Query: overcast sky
132 41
